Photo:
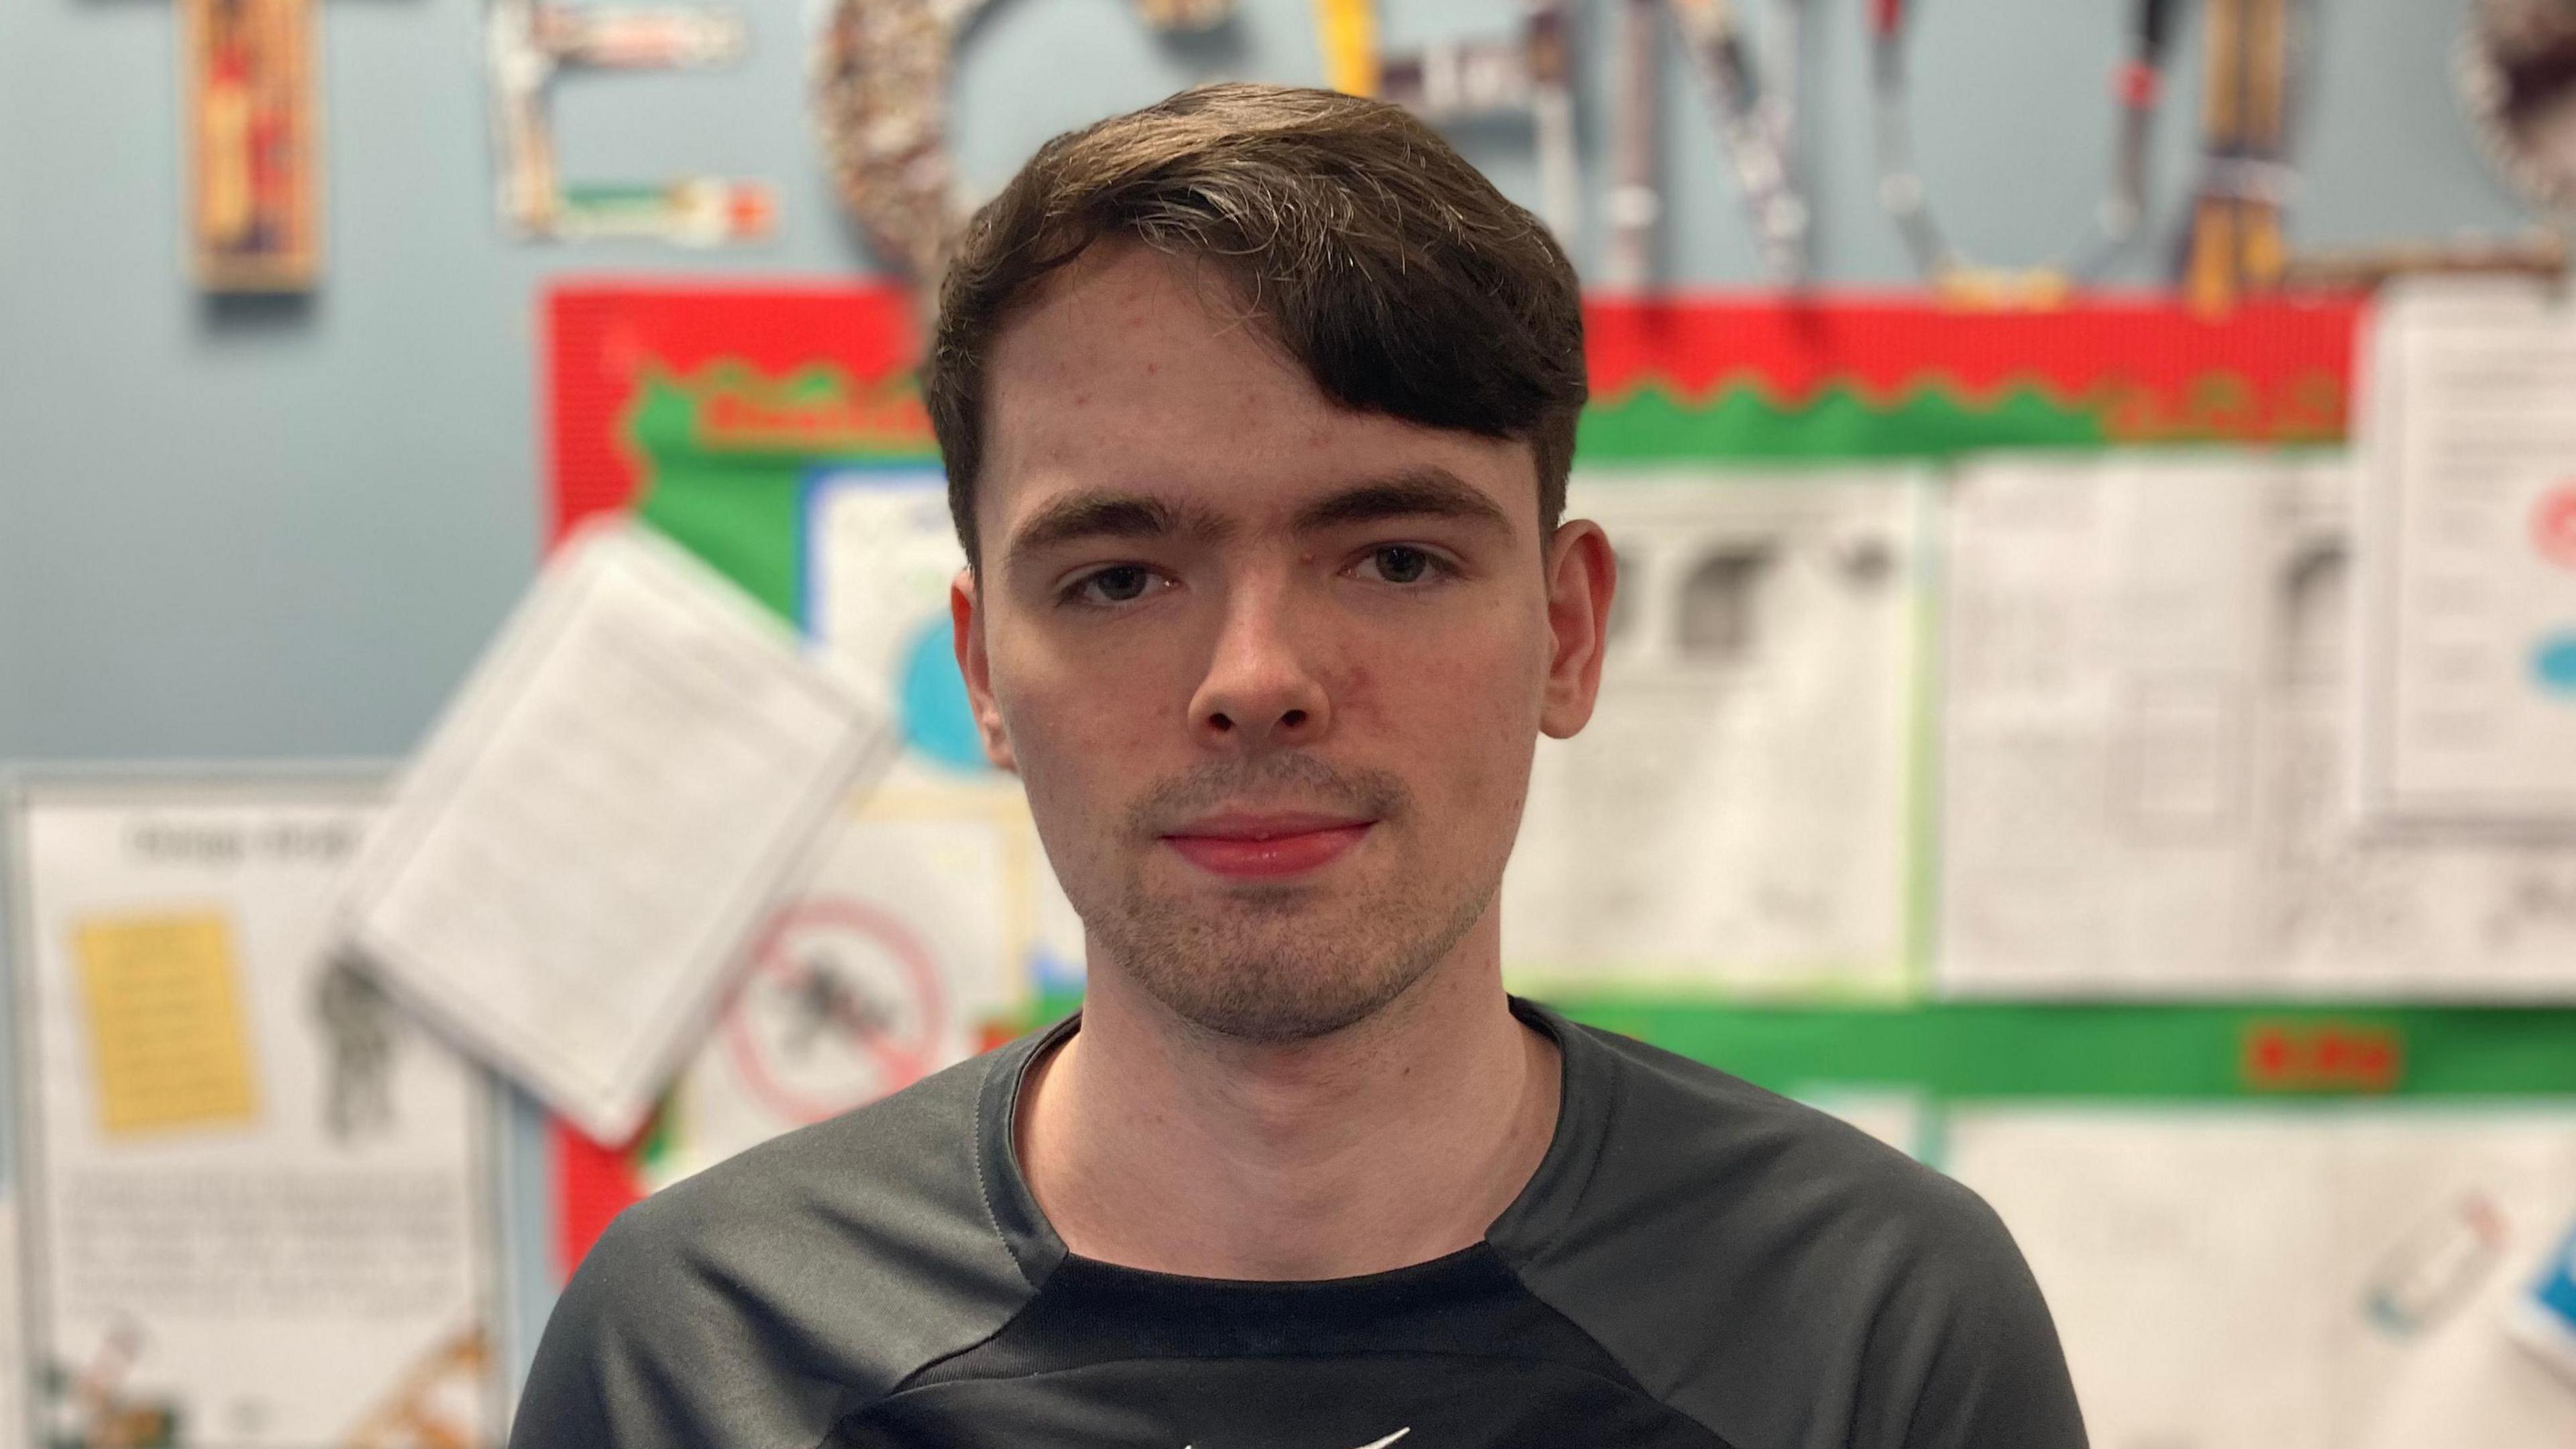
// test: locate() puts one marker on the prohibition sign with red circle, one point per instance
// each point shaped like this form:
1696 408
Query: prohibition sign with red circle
2553 524
900 1062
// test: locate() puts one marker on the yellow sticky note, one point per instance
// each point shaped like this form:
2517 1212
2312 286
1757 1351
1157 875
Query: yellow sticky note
165 1019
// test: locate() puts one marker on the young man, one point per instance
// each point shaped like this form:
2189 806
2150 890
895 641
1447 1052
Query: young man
1257 407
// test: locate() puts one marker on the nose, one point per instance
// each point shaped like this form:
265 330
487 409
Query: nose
1260 691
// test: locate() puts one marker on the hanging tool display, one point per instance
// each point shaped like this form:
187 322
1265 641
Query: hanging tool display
2140 88
2236 243
1757 123
2122 217
881 78
530 42
1530 74
1636 201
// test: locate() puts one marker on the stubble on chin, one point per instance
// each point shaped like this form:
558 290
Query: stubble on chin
1277 971
1278 964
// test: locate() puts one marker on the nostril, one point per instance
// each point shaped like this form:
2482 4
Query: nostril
1293 718
1219 723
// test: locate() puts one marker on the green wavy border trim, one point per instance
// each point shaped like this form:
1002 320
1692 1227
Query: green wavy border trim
1838 422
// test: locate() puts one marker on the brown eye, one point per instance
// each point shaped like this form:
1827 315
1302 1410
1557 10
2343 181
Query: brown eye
1123 584
1398 564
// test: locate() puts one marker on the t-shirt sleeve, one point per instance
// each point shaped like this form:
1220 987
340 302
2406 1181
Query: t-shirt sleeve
647 1350
1964 1351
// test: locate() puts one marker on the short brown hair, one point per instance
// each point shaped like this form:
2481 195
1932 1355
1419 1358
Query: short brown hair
1387 266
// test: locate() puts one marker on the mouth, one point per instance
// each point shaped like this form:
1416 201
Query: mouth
1249 846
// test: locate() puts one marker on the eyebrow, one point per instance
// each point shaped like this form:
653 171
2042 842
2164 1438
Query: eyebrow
1105 514
1428 492
1414 493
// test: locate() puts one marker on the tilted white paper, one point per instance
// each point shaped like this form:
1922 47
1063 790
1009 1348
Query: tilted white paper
586 842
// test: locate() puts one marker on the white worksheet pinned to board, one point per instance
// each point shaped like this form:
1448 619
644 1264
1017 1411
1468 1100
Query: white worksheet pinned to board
2317 1278
258 1198
2467 440
1735 817
2145 733
589 837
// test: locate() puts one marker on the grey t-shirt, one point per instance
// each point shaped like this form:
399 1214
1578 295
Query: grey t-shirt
1696 1262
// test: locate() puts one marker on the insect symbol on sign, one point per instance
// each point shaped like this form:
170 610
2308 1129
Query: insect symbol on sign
2553 524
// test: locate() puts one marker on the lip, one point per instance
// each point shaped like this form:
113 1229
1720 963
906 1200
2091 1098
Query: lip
1246 846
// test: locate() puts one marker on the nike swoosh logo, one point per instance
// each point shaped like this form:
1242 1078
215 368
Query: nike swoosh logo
1376 1444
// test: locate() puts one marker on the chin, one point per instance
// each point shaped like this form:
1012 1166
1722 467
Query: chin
1279 964
1259 1009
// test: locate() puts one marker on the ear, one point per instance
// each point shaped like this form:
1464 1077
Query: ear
1582 575
976 663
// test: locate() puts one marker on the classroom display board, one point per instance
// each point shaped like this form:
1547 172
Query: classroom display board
1943 839
258 1203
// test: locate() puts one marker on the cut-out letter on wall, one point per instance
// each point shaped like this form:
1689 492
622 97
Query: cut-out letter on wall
254 202
533 39
881 103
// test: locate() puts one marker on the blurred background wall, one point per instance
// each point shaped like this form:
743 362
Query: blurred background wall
285 529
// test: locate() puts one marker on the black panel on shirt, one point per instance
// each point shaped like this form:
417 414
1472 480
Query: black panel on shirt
1453 1352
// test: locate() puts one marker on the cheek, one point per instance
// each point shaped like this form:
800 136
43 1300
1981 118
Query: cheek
1462 715
1083 729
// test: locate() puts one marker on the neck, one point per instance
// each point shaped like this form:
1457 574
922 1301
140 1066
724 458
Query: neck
1154 1144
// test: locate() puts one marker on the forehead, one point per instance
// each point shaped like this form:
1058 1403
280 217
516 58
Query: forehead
1139 371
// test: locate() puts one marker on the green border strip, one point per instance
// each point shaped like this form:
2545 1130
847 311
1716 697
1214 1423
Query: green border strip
2097 1050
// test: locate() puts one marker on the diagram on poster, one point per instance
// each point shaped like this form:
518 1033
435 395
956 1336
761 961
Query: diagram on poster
928 917
258 1199
2370 1259
2146 728
879 555
1735 814
904 951
600 821
2468 558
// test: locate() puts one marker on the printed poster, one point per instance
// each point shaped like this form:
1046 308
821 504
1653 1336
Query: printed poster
2146 732
2331 1278
1735 817
2468 559
258 1197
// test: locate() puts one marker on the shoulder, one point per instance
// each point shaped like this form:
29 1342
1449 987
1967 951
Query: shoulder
1781 1275
760 1299
1686 1145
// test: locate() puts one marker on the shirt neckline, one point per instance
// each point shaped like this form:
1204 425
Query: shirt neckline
1538 1212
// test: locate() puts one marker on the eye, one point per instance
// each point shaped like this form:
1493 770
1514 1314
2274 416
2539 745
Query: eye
1398 563
1117 584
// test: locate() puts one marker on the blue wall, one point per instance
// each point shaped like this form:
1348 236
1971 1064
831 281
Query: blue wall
285 531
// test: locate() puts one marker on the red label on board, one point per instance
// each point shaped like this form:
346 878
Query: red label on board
2323 1057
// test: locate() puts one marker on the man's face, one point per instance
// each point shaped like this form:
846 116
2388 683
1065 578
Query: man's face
1272 670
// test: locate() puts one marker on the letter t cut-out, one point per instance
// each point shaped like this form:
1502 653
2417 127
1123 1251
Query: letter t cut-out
254 164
